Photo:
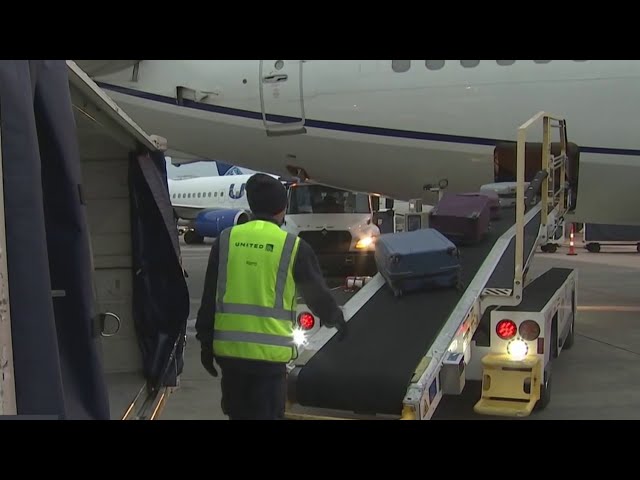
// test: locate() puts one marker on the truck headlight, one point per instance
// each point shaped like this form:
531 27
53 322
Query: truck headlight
365 242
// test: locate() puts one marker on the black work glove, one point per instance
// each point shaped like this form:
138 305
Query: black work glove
206 358
342 329
339 324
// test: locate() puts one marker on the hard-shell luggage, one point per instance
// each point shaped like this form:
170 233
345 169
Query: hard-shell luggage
463 219
419 260
494 202
506 192
505 161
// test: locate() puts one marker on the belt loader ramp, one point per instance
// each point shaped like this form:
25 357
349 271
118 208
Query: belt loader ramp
402 354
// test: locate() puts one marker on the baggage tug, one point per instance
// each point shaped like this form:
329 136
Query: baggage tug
403 354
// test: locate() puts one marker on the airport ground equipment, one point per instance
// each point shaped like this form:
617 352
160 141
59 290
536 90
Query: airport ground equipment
402 354
597 235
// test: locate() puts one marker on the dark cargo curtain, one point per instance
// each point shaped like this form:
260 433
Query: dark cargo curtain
57 365
161 297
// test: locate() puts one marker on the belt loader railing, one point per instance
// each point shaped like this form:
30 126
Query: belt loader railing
425 391
546 194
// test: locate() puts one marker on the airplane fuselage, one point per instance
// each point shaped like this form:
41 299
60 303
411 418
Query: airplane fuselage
378 126
192 195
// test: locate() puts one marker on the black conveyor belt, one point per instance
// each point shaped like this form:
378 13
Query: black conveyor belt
502 276
369 371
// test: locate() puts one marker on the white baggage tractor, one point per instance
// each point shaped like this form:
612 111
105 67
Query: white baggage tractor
506 192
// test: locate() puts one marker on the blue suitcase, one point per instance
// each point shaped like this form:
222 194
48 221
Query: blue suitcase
423 259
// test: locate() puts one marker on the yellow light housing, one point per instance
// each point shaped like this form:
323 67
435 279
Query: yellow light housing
365 242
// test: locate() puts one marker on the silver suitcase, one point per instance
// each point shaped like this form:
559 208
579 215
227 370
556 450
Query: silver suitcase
506 192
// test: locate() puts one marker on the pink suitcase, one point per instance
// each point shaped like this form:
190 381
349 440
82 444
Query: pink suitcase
464 219
494 205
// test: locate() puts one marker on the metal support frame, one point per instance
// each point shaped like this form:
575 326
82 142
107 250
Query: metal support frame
552 199
7 383
148 405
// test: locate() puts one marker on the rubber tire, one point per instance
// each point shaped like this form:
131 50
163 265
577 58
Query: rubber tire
552 248
593 247
569 341
545 390
192 238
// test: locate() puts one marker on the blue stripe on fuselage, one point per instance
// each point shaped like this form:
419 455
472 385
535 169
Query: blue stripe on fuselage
342 127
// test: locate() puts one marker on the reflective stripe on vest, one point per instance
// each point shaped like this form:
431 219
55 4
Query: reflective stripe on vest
256 300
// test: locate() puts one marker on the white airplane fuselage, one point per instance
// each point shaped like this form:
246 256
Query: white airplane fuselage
370 128
192 195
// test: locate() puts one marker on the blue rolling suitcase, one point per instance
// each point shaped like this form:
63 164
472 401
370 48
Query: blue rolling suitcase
419 260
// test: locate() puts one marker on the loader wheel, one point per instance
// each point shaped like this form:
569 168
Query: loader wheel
568 342
545 390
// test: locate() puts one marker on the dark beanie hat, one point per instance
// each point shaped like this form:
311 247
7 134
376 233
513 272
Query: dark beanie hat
266 195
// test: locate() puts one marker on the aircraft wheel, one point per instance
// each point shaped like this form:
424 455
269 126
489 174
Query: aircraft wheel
192 238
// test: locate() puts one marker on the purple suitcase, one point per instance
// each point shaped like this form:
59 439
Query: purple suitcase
464 219
494 204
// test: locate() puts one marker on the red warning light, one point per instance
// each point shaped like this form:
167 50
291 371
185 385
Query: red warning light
506 329
306 321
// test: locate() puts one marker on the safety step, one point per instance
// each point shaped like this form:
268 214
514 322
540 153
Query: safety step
510 388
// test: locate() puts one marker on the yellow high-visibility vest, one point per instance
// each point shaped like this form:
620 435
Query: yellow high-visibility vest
256 294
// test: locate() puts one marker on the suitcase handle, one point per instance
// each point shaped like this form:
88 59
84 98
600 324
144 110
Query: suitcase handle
534 187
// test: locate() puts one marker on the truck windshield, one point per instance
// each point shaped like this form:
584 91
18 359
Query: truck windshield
321 199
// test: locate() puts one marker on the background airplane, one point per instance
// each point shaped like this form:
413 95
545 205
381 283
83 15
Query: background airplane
207 205
390 126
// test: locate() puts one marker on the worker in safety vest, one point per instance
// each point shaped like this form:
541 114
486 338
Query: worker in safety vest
246 319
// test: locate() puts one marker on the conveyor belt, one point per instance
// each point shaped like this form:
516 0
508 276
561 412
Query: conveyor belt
502 277
369 371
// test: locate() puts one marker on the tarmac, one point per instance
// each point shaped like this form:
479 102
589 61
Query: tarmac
598 379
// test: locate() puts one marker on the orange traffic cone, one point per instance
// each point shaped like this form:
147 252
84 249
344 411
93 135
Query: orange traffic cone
572 248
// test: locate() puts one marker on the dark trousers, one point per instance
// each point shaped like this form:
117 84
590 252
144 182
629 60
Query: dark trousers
256 393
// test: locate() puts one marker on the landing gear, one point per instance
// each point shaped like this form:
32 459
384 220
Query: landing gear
192 238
